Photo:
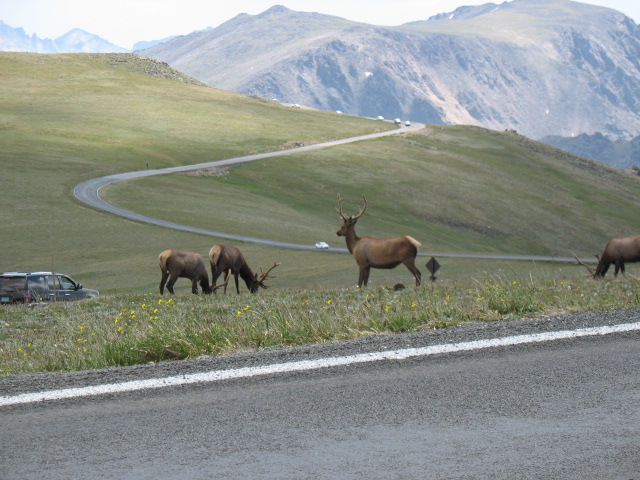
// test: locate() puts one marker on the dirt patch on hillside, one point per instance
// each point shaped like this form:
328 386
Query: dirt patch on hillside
208 172
423 131
291 144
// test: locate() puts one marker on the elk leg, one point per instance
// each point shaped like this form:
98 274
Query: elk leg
235 277
172 281
416 273
214 278
364 276
165 275
226 280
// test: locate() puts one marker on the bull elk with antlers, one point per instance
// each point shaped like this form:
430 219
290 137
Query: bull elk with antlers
372 252
230 260
616 252
180 263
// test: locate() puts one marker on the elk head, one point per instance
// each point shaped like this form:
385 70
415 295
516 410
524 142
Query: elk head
348 223
260 279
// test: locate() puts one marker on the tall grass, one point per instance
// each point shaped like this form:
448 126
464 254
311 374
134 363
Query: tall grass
135 329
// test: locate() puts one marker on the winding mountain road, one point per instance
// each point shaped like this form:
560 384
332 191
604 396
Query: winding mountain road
88 192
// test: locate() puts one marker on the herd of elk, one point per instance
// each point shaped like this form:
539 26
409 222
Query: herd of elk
616 252
372 252
227 259
368 252
176 264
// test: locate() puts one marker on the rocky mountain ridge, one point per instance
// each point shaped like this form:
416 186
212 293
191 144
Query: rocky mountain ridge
541 67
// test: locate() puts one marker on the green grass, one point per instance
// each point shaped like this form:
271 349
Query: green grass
134 329
455 189
67 118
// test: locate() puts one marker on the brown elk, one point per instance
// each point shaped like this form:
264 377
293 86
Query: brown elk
181 264
617 252
229 260
377 252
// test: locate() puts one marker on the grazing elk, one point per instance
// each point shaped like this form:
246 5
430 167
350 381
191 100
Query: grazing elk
179 263
617 251
377 252
229 260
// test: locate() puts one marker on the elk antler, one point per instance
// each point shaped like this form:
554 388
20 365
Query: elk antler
339 210
580 262
226 281
344 217
264 275
362 209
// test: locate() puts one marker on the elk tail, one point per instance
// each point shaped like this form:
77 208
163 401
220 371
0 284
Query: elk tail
162 259
415 242
215 253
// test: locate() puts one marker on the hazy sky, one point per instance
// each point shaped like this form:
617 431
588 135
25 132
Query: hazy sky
124 22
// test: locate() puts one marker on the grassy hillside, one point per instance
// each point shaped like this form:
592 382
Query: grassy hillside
456 189
67 118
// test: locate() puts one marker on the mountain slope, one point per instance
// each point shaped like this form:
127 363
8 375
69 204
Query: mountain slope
542 67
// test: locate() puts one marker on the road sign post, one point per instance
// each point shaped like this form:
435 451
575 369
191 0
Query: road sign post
433 266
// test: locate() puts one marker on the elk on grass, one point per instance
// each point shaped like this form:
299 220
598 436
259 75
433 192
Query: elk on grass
616 252
182 264
230 260
372 252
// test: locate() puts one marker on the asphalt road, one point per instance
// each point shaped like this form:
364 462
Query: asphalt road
558 409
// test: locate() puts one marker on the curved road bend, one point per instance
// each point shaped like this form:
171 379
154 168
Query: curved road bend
88 192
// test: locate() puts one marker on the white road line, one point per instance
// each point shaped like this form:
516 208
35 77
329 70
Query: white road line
218 375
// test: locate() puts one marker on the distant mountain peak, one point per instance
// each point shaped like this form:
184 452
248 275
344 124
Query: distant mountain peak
80 41
74 41
274 10
467 12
